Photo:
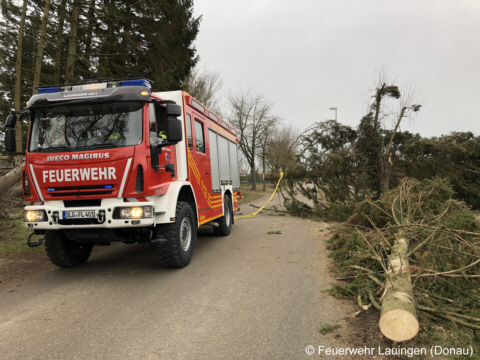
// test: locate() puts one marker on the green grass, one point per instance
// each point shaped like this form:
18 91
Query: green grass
275 232
13 234
326 328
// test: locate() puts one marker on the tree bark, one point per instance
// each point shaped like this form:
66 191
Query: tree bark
104 61
18 77
253 171
72 44
88 43
384 170
386 158
378 99
58 50
398 319
41 45
11 178
263 145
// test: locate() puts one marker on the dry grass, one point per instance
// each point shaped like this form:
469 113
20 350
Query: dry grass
251 195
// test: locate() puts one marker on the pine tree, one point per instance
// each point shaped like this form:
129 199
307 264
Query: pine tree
152 39
92 39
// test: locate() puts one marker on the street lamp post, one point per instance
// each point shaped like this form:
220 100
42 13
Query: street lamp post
334 108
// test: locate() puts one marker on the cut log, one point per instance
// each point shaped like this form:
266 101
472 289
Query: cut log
10 179
398 319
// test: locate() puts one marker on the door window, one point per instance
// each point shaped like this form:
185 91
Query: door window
189 133
200 141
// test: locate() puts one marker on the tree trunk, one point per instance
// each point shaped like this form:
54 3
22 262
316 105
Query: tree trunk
88 43
263 167
254 177
384 169
58 50
18 77
11 178
386 158
104 61
72 44
41 45
398 319
378 99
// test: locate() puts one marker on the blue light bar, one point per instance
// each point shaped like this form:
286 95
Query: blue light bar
87 86
136 82
47 90
108 186
51 189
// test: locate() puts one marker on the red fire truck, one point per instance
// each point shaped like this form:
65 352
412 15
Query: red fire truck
111 161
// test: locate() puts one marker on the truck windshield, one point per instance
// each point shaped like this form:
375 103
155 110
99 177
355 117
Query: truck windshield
86 126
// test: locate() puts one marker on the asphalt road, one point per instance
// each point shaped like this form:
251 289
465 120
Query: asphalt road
250 295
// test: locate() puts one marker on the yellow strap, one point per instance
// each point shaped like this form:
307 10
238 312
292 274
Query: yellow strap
271 197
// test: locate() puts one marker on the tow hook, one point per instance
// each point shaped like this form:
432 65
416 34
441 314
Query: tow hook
33 244
101 216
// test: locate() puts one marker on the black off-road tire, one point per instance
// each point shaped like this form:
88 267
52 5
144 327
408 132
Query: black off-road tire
226 220
66 253
176 249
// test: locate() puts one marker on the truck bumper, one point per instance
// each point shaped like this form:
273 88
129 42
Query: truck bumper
103 216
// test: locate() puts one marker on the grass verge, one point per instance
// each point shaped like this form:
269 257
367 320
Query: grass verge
13 234
251 195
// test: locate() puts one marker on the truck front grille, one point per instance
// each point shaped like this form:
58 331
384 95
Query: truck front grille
82 203
81 193
80 190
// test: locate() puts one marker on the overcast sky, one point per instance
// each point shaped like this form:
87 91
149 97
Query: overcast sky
306 56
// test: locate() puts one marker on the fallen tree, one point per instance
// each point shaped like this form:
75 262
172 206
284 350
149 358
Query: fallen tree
415 249
398 319
11 191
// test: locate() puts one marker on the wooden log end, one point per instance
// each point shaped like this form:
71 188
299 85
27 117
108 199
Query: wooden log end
398 325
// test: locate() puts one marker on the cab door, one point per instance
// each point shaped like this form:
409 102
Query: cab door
199 164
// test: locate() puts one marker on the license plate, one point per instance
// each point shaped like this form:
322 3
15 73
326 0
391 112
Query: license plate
79 214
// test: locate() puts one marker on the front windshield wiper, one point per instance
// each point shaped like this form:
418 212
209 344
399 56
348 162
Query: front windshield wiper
98 146
54 148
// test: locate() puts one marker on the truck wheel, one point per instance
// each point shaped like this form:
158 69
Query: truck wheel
226 220
179 238
64 252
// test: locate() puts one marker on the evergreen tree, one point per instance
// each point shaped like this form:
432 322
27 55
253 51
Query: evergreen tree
152 39
87 39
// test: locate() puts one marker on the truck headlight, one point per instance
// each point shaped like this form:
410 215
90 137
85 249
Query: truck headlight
34 215
136 212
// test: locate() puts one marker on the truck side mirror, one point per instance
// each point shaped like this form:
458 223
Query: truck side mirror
174 129
174 110
10 143
11 121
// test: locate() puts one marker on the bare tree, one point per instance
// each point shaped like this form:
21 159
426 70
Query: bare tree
204 86
251 115
262 153
284 148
